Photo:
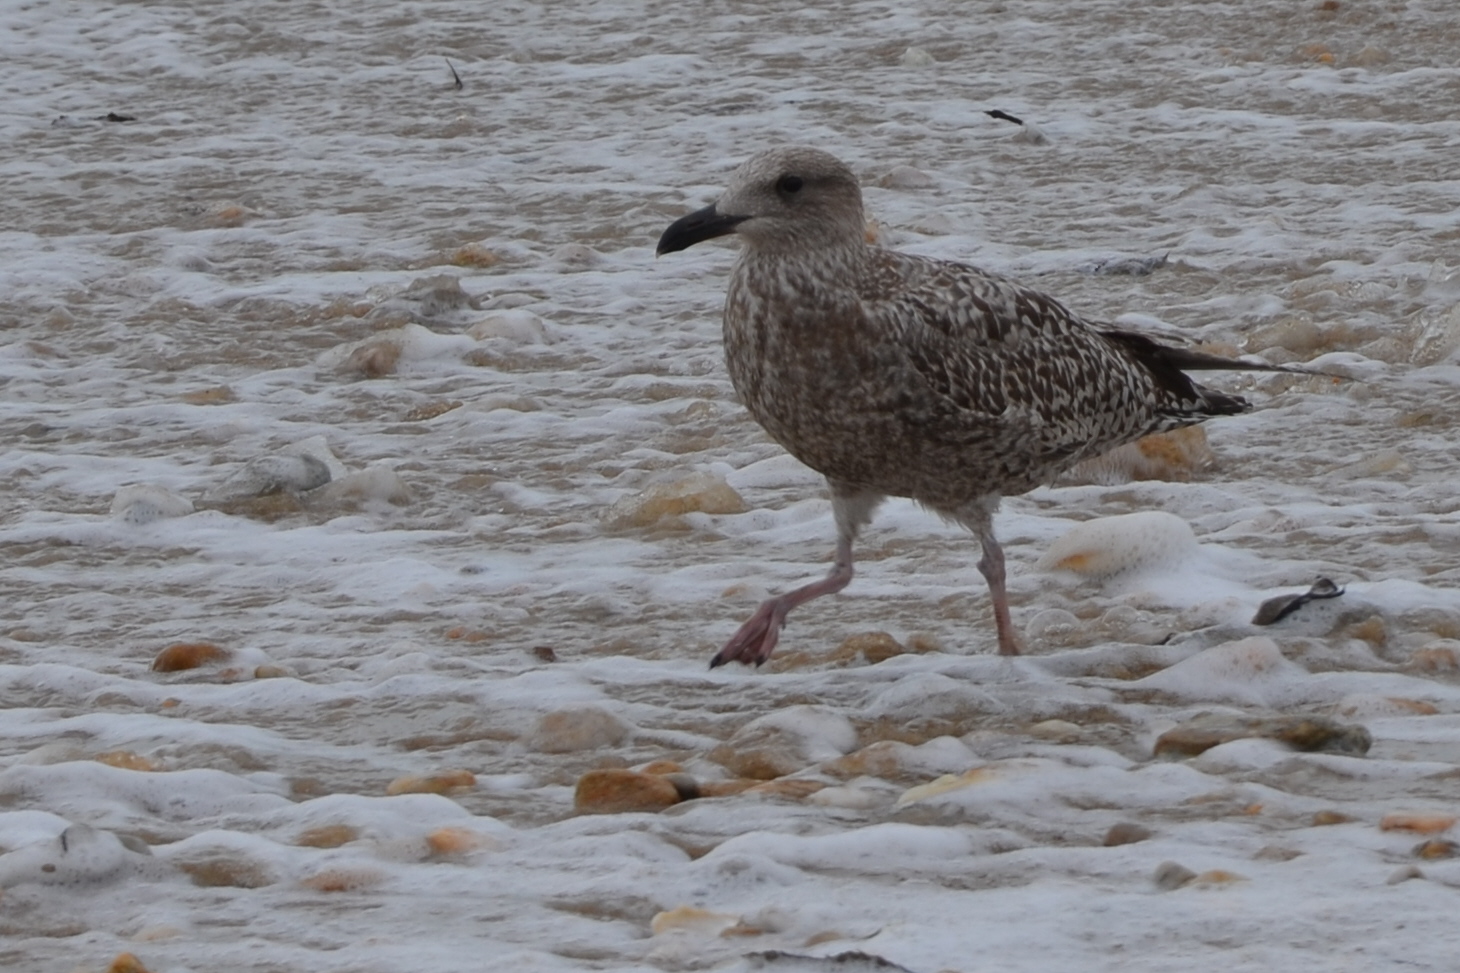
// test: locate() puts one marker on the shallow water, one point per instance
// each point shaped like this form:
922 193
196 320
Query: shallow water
178 290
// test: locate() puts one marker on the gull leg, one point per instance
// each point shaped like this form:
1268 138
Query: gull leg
754 642
979 519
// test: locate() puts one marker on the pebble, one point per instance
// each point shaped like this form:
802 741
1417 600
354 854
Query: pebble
474 255
1217 876
517 325
1056 731
698 492
457 841
189 655
786 740
216 870
269 474
343 879
434 297
1126 833
947 783
917 57
1170 876
126 963
146 504
127 760
1441 655
1418 822
618 791
874 647
1175 455
581 728
1307 733
688 918
1404 874
1109 546
1435 848
1324 818
452 781
328 836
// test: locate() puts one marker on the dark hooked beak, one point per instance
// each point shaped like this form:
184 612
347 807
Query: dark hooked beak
702 224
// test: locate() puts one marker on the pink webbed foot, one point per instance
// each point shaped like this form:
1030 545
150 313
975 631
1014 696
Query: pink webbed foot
754 641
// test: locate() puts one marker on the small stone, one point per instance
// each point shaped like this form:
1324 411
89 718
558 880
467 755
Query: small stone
1058 731
216 395
875 647
544 653
697 493
947 784
1301 733
516 325
375 358
189 655
1419 823
887 759
126 963
220 871
1170 876
583 728
1404 874
1176 455
1276 853
687 917
449 782
430 410
474 255
146 504
577 256
455 841
1325 818
917 57
664 767
758 763
1109 546
327 836
725 788
1126 833
343 879
1441 655
1217 876
617 791
797 789
127 760
1435 848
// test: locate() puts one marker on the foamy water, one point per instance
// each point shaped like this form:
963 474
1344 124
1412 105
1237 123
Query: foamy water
236 285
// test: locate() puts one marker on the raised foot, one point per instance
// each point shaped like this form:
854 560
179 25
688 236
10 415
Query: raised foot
754 641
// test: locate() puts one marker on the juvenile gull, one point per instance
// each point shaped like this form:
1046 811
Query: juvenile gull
897 375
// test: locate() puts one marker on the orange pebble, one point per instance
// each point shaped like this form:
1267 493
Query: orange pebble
126 760
126 963
188 655
343 879
453 841
1419 823
452 780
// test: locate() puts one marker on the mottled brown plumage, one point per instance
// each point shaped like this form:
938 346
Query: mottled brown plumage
898 375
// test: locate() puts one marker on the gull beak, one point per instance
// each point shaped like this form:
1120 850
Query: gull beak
702 224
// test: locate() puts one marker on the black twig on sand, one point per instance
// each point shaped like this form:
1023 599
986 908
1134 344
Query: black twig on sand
1003 116
456 77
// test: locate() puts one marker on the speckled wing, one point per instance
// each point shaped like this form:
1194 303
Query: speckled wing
1015 373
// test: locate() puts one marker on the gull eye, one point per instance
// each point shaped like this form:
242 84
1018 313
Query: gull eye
789 184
